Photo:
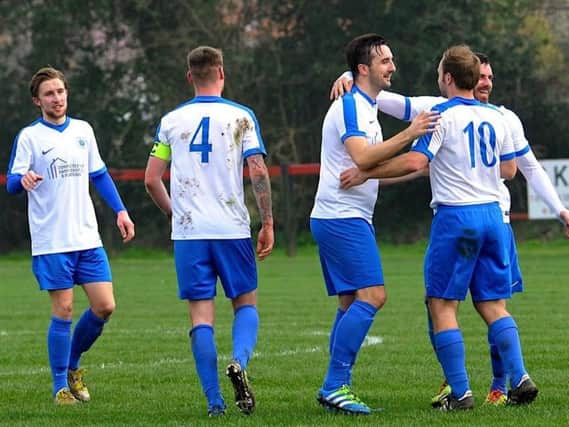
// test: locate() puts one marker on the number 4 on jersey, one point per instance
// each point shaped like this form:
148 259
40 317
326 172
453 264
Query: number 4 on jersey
204 147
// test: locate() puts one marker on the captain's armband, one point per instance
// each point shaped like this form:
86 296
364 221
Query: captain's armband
162 151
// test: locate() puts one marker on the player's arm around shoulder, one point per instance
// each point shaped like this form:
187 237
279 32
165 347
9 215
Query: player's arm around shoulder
262 189
507 152
508 169
404 107
368 156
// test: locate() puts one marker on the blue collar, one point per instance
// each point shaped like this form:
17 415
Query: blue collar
465 101
355 88
59 128
207 98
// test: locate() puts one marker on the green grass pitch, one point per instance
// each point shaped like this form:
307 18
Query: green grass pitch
141 371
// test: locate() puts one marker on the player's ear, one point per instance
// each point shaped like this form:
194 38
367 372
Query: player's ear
189 78
36 101
221 73
363 69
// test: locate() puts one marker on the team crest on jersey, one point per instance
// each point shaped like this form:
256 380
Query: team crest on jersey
82 142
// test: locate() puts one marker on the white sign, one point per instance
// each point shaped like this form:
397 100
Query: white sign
558 172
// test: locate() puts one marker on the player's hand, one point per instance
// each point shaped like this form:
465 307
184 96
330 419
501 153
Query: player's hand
564 215
352 177
423 123
31 180
126 226
265 241
341 85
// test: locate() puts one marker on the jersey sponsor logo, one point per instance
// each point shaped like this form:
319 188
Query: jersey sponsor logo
60 169
53 170
44 152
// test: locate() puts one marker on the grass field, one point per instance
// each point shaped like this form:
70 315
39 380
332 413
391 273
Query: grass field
141 370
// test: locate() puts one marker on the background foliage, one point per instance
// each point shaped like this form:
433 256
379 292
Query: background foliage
126 65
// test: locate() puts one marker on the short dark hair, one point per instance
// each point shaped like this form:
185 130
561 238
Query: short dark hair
202 62
483 58
44 74
359 50
463 65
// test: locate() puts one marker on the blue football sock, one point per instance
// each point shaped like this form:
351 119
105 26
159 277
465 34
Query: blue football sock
339 314
504 332
450 352
350 334
87 330
498 371
205 357
58 347
245 328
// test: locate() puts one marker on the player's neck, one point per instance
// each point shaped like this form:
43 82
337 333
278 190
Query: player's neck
367 88
204 92
54 120
214 89
454 92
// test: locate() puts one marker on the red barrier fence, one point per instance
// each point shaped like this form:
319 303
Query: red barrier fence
283 171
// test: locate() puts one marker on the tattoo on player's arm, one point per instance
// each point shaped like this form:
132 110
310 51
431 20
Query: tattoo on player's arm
261 186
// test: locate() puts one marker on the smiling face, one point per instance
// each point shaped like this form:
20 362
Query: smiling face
484 86
52 100
381 68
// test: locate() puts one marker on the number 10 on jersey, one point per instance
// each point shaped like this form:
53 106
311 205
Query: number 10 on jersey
204 146
486 141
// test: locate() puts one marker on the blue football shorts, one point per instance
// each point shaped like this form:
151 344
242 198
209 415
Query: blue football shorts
66 269
199 263
468 250
517 279
349 255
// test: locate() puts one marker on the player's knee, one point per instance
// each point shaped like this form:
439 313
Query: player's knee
105 310
379 300
249 298
63 310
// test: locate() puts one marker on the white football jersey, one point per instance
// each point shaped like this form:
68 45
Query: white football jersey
354 114
60 211
209 138
406 108
465 153
521 147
